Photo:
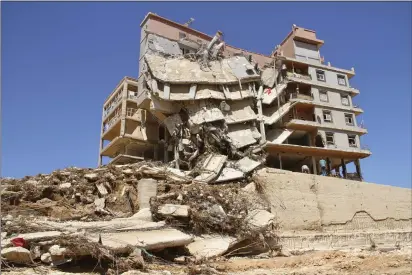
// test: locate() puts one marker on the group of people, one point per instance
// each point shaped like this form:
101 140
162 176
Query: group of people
322 164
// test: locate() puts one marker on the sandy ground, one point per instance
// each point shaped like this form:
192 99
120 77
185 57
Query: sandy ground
320 263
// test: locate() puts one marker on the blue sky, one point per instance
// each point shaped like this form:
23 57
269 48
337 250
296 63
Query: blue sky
61 60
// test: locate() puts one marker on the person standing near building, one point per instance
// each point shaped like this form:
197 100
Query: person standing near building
322 164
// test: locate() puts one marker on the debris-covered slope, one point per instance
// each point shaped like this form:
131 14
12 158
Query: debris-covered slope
125 216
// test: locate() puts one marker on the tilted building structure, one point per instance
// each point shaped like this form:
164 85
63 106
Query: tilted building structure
197 100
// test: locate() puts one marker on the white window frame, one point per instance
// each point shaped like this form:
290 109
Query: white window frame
342 97
327 112
325 93
347 116
354 139
332 135
322 73
341 77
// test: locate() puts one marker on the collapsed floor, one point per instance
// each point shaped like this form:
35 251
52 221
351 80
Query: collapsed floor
138 217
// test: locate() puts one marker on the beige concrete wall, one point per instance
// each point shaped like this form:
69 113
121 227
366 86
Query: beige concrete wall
316 203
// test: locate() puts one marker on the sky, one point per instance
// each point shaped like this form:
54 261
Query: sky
61 60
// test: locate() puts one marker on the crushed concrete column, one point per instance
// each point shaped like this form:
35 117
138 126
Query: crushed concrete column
358 168
123 112
315 168
147 188
260 112
344 171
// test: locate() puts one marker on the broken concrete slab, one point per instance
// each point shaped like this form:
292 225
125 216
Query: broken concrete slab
174 210
65 185
240 111
119 224
46 258
19 255
91 176
149 240
147 188
144 214
247 165
184 71
101 189
250 188
171 122
241 137
211 246
229 174
259 219
211 168
100 203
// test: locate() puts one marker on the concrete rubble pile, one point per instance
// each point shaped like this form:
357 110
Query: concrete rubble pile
128 217
210 105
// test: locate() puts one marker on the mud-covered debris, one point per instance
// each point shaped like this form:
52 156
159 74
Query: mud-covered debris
174 210
19 255
260 219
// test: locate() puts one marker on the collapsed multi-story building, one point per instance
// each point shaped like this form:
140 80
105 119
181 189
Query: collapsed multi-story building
198 100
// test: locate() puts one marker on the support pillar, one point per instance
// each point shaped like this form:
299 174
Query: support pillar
328 168
260 113
358 169
99 161
123 111
344 171
176 153
156 152
280 161
166 152
314 166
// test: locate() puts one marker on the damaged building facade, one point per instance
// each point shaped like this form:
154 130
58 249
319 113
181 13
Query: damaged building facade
220 111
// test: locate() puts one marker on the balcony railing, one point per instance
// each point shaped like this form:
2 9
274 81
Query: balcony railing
111 122
112 105
130 112
301 76
132 95
301 96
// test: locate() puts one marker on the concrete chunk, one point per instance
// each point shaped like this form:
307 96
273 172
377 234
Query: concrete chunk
155 239
102 190
247 165
65 185
211 246
17 255
91 177
228 174
147 188
259 219
174 210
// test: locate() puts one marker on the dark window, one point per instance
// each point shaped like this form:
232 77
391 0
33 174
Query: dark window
349 119
330 139
320 75
341 80
327 116
352 140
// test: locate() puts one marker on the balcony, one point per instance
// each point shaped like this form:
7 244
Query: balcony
301 96
113 104
111 122
299 76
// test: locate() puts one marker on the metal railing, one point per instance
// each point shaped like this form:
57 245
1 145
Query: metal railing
112 105
301 96
110 123
302 76
130 112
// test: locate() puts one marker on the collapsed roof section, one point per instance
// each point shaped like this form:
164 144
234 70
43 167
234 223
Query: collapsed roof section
207 104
